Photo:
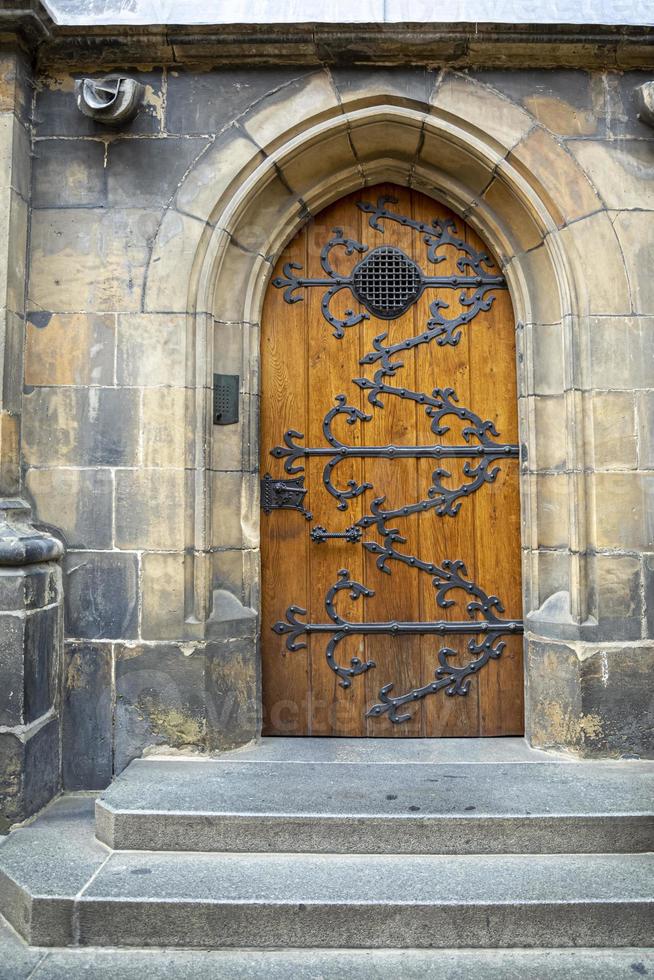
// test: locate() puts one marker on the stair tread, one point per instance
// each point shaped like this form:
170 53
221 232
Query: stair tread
407 790
373 878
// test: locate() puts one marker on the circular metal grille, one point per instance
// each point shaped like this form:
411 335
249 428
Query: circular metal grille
387 281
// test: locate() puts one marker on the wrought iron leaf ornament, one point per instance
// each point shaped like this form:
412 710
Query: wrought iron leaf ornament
387 282
480 451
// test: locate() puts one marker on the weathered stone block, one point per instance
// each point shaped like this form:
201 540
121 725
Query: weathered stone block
227 493
550 419
634 338
73 349
160 699
150 509
232 155
9 454
287 109
624 511
29 646
29 771
147 173
494 115
370 140
645 416
594 247
621 171
615 597
634 230
101 595
614 430
563 101
79 503
173 254
565 188
29 586
166 436
521 230
620 107
13 251
12 696
14 155
201 102
15 83
87 716
151 349
41 653
69 173
333 155
81 427
593 700
56 112
162 587
90 259
233 692
553 503
358 87
616 688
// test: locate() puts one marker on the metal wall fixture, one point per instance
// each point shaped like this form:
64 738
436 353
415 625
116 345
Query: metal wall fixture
283 495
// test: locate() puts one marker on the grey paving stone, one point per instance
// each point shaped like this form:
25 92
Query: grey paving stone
222 900
17 960
364 964
235 805
44 865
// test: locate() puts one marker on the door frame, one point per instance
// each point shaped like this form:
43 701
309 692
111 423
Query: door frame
233 252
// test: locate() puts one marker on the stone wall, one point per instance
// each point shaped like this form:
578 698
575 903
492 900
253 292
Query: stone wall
158 511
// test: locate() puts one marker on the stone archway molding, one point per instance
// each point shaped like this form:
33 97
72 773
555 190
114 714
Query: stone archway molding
521 191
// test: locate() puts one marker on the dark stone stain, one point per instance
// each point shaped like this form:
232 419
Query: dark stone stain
39 318
470 808
639 968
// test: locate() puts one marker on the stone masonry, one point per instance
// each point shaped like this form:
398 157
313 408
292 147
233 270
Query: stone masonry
149 248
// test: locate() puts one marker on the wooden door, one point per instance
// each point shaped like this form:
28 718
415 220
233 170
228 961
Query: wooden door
389 419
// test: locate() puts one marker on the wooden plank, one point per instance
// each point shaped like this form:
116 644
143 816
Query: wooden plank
496 508
284 534
444 537
332 363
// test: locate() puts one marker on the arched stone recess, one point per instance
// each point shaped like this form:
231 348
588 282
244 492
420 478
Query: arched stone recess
488 160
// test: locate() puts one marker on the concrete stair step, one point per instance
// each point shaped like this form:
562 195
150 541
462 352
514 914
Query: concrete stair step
421 804
59 886
21 962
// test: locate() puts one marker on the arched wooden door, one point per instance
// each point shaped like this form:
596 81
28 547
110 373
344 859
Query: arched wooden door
390 532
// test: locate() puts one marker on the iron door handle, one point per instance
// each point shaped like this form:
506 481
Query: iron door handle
352 534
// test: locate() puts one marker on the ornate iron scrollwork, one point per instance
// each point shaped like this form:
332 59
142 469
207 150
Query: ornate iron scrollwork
480 454
283 495
387 282
449 576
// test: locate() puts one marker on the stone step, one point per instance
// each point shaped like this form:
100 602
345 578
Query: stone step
21 962
253 803
60 886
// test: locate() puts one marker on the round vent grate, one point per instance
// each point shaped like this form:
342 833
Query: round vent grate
387 282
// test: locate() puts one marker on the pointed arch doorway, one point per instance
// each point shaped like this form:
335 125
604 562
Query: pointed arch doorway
390 531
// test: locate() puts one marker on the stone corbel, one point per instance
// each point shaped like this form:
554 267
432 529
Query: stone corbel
645 101
112 100
21 543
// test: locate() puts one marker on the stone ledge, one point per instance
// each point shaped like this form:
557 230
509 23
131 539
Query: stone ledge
21 543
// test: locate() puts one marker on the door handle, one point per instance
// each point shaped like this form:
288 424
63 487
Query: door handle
352 534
